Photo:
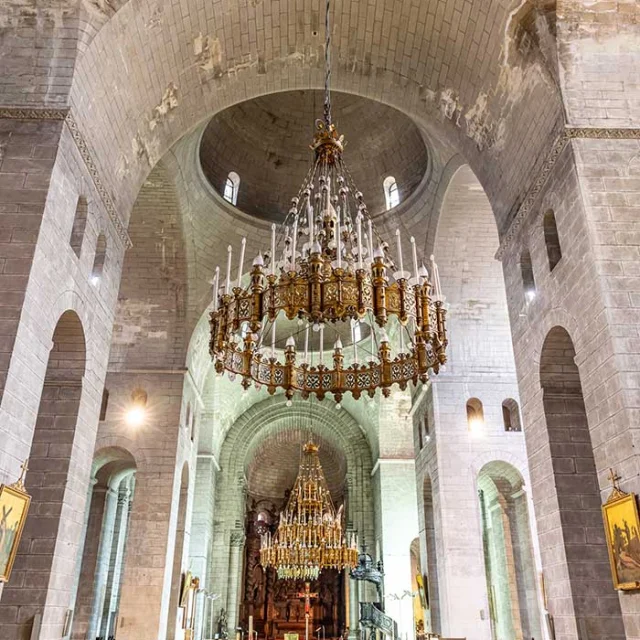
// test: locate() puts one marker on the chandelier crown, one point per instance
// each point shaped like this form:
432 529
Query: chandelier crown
309 537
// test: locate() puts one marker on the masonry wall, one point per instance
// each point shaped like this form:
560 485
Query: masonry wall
57 280
480 365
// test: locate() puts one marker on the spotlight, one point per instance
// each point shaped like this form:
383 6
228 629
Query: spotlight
530 294
137 412
95 280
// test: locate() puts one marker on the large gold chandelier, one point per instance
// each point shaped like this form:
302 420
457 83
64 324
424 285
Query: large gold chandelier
309 537
329 270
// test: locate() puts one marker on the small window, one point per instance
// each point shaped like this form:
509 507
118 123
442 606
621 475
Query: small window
528 282
79 224
231 186
475 415
193 427
551 239
420 434
511 415
98 261
187 419
104 405
391 193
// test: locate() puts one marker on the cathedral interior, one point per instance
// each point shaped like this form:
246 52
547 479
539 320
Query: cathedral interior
319 318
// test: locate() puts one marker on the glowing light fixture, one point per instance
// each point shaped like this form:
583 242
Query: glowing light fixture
136 414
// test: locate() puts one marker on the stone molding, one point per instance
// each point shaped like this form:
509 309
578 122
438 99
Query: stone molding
64 114
559 145
110 208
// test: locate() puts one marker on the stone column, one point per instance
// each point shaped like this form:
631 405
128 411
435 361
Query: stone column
87 568
396 482
501 512
236 553
102 563
115 569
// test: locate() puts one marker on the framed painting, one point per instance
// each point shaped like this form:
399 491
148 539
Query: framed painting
622 527
14 506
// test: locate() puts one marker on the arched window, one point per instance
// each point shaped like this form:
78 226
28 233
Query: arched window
475 415
528 282
391 193
79 224
98 261
511 415
231 186
551 239
104 404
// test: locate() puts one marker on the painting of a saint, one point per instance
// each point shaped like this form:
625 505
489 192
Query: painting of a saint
13 512
623 537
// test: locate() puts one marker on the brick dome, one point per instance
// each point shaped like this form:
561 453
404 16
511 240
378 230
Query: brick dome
266 142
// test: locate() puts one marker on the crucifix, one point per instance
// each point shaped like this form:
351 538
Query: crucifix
307 595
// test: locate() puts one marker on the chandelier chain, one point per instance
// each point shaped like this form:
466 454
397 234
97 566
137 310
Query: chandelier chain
327 66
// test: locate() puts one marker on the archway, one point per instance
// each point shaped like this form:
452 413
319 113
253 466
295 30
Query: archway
594 604
47 482
103 558
509 561
260 424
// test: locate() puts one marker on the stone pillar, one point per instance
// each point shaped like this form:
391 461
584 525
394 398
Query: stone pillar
520 526
354 609
103 558
505 539
396 482
88 566
28 154
107 625
236 553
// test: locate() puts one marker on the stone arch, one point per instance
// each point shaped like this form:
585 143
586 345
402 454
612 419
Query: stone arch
510 567
54 521
206 76
573 507
255 424
103 557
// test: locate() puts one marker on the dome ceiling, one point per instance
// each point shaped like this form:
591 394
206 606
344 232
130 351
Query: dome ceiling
266 142
274 467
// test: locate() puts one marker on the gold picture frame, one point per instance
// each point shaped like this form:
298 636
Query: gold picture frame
622 528
14 507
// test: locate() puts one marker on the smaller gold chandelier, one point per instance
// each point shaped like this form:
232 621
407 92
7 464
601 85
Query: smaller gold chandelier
309 537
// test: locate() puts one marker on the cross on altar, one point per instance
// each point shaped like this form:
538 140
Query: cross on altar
307 595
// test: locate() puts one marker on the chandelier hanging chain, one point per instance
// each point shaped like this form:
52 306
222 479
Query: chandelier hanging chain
327 66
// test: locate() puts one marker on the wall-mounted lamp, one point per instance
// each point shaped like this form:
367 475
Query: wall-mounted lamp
137 411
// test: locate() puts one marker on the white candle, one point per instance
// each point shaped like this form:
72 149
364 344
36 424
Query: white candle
216 287
415 258
310 219
370 240
359 234
306 343
399 244
243 246
294 245
228 281
321 343
273 249
436 276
